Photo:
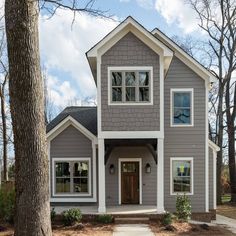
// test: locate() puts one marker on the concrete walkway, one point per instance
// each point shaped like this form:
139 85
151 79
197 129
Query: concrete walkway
227 222
132 230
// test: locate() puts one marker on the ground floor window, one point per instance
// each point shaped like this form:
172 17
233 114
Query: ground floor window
182 175
71 176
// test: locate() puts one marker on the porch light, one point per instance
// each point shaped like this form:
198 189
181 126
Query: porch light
112 169
148 168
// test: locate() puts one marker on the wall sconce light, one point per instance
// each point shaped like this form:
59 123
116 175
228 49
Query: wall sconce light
112 169
148 168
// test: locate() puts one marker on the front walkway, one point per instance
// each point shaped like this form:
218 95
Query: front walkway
132 230
229 223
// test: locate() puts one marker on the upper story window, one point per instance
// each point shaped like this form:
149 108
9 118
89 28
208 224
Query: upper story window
130 85
182 107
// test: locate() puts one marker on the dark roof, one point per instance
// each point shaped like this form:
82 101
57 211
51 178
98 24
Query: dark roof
86 116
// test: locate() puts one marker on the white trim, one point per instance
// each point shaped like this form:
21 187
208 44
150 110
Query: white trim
131 25
130 134
49 164
213 146
140 176
69 120
192 175
99 116
214 179
94 171
188 60
172 90
160 176
101 177
206 150
124 69
69 159
161 94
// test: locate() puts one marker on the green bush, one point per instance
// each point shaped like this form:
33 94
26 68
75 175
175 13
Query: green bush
167 218
71 216
105 219
183 207
53 214
7 203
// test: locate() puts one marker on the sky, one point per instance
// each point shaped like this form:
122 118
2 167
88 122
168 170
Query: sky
63 46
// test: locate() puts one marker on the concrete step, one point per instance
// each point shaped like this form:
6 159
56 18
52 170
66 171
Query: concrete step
131 220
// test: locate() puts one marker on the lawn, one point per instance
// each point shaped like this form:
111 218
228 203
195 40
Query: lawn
227 209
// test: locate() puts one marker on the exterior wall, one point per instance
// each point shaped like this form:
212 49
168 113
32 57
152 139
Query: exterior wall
185 141
211 181
149 180
71 143
130 51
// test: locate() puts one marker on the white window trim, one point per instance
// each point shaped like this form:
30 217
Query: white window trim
129 68
64 159
172 90
191 176
140 176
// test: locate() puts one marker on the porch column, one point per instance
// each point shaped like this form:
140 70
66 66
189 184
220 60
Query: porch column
160 176
101 177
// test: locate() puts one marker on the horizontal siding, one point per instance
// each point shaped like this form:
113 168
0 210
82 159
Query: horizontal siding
149 180
185 141
211 181
130 51
71 143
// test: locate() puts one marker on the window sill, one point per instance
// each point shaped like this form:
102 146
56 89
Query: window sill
130 104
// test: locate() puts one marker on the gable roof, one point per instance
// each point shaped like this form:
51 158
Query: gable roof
86 116
184 56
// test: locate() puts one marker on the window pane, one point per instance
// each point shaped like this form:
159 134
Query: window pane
62 169
144 78
130 94
62 185
182 99
116 78
116 94
80 185
129 167
144 94
129 78
80 169
182 116
181 176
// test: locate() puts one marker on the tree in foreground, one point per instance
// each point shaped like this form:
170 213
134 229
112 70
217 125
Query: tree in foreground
27 110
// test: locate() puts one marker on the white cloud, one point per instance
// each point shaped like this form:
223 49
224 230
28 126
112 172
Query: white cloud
177 11
63 48
124 0
147 4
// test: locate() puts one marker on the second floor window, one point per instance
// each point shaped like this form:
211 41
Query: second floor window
131 86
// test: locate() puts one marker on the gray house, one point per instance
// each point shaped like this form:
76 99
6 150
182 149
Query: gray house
147 139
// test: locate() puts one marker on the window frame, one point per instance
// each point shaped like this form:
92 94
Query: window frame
70 159
191 175
181 90
135 69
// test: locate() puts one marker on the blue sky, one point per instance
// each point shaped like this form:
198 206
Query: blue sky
63 48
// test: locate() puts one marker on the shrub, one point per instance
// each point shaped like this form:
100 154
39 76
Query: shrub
53 214
167 218
7 203
183 208
71 216
105 219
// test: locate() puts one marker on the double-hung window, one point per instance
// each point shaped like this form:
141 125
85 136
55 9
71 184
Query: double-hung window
181 107
71 176
182 175
130 85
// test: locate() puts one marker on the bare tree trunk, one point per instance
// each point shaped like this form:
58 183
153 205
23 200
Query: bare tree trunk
27 109
4 132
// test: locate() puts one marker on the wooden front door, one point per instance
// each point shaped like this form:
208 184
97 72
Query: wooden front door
130 182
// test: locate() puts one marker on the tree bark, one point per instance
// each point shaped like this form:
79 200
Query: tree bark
27 109
4 132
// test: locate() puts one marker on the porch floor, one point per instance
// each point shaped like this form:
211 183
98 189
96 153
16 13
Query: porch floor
113 210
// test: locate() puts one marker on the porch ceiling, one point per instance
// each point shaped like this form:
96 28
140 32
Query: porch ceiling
110 144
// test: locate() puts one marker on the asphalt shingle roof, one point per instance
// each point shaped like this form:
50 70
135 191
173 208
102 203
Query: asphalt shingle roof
86 116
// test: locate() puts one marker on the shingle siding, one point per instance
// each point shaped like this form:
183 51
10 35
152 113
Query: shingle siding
130 51
185 141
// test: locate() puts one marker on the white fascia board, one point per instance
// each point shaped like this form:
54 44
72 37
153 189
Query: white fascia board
199 69
132 25
69 120
213 146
